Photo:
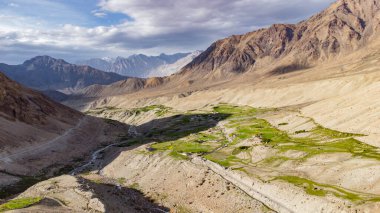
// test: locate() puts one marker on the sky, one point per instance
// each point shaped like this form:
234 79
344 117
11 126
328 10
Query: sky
81 29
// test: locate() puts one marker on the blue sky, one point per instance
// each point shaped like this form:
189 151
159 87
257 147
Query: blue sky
85 13
81 29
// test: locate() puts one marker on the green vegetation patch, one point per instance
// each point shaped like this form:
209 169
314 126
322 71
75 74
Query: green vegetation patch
178 156
182 209
325 132
276 160
183 147
319 189
254 127
121 181
222 160
215 136
19 203
240 149
313 148
266 209
189 134
238 111
135 186
160 110
100 110
22 185
246 125
310 187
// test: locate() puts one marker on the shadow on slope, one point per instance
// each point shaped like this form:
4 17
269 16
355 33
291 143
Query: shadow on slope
280 70
168 129
122 199
179 126
116 197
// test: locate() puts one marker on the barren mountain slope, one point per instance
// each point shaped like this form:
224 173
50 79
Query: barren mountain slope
130 85
345 26
39 137
25 106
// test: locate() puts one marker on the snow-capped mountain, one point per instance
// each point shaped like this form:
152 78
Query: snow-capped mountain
169 69
141 65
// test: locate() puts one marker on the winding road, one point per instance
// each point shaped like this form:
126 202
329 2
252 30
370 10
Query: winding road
41 146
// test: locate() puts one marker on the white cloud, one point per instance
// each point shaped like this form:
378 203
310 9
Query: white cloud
168 16
99 13
154 26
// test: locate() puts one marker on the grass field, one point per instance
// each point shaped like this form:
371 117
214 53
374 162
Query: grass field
19 203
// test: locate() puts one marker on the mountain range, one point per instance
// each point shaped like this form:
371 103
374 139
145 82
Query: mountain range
55 77
47 73
142 66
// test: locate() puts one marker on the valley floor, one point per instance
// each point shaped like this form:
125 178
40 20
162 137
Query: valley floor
221 158
267 153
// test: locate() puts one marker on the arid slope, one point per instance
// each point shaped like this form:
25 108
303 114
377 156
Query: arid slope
39 137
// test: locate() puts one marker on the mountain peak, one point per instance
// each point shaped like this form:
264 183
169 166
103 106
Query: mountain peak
365 9
108 59
119 58
44 61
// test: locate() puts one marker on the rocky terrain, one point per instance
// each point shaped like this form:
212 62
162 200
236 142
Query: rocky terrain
98 63
47 73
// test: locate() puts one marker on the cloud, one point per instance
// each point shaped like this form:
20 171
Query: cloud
147 26
99 13
238 16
